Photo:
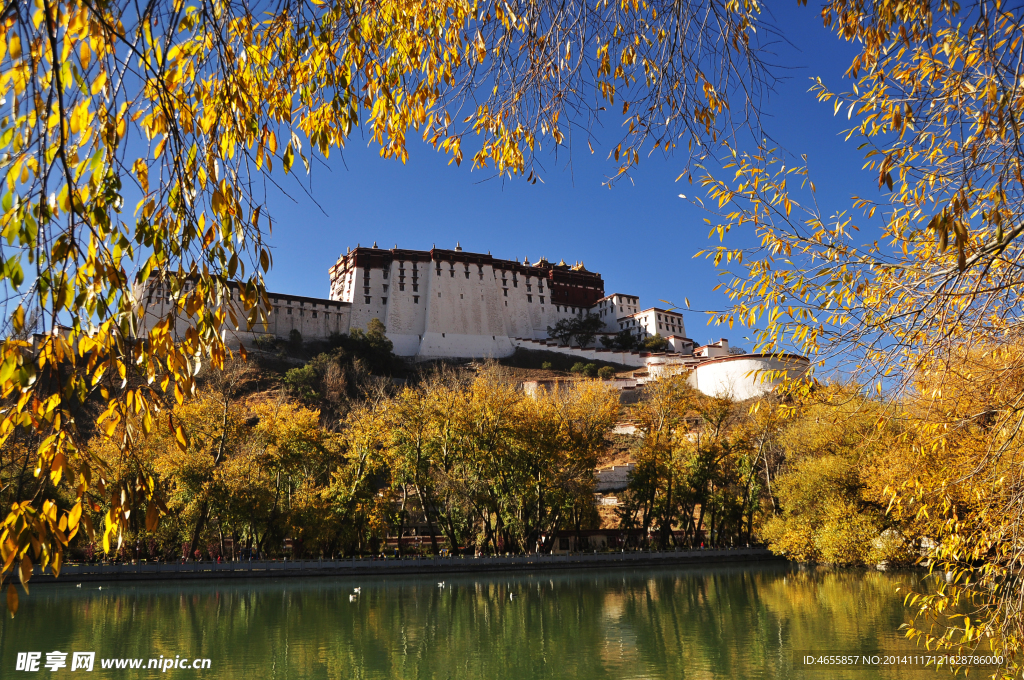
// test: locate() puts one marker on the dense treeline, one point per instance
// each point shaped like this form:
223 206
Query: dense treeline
470 457
336 457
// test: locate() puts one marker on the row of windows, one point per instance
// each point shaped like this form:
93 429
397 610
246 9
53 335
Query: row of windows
367 299
302 303
606 312
327 315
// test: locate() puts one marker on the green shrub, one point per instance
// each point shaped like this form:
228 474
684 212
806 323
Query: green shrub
606 373
588 370
547 366
656 343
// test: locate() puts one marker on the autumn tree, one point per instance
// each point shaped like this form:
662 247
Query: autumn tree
899 288
831 485
137 135
694 470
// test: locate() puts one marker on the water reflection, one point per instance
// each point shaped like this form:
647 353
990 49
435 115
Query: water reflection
720 622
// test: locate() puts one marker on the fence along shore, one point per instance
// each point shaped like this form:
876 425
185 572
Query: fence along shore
367 566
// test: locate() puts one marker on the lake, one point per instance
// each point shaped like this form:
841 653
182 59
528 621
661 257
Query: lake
734 621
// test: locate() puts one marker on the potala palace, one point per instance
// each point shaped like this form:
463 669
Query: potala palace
438 304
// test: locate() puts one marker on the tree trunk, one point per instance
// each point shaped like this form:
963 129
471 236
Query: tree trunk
204 509
700 524
430 522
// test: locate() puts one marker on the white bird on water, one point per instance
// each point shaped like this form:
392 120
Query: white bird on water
510 596
357 590
351 598
440 584
79 585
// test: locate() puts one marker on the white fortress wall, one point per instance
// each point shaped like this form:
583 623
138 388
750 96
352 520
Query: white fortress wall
368 297
408 299
448 303
314 318
743 376
510 292
464 315
453 304
633 359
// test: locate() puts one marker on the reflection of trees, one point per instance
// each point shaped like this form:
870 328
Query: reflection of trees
726 622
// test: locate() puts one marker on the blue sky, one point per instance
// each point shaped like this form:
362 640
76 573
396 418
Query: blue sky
639 235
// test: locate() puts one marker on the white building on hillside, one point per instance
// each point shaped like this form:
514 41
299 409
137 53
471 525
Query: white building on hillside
615 307
453 304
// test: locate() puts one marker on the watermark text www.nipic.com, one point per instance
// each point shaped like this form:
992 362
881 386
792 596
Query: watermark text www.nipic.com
86 661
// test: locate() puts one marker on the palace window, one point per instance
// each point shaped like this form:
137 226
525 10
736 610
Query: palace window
367 299
289 310
542 299
529 298
384 300
314 315
385 273
505 291
385 287
415 299
415 287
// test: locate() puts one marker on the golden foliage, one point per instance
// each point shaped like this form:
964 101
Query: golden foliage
179 106
915 292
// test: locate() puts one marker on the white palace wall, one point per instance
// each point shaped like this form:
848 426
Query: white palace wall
314 318
450 304
744 376
465 317
458 305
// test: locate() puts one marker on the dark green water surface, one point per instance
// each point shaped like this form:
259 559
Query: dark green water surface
716 622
